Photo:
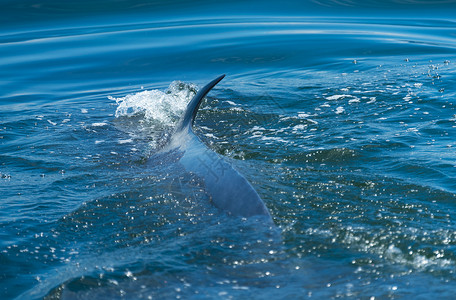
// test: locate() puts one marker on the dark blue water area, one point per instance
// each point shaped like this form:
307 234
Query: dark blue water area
341 114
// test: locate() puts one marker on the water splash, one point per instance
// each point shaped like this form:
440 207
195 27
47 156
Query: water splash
160 109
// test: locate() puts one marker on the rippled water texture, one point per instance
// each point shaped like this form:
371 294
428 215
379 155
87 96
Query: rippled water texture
343 123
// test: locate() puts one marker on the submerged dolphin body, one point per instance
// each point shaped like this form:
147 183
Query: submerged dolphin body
227 188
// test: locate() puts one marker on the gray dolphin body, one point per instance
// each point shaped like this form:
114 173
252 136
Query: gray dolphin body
227 188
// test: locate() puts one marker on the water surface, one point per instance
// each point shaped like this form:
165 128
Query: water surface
340 114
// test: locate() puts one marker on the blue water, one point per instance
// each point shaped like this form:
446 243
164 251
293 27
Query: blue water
341 114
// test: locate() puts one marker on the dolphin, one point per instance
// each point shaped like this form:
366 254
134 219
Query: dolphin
227 188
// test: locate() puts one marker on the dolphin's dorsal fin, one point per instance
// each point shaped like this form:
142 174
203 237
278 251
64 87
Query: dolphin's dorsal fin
192 108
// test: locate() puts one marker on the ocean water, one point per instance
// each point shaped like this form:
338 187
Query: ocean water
342 115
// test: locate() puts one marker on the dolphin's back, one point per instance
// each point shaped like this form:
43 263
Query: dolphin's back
227 188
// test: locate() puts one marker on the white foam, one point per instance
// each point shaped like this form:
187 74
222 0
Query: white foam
210 135
304 115
337 97
407 98
299 127
231 103
164 108
372 100
236 109
100 124
127 141
340 110
416 260
258 128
